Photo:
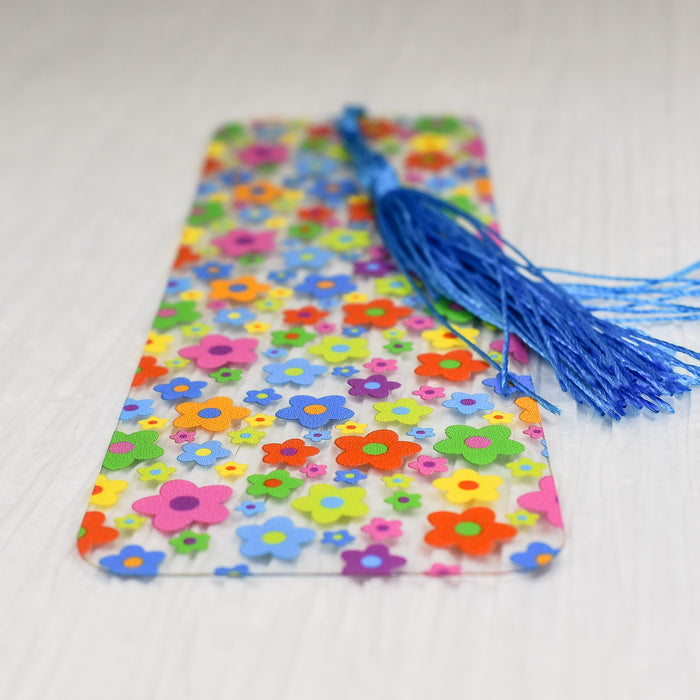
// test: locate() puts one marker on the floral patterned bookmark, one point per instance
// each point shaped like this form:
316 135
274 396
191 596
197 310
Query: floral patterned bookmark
296 409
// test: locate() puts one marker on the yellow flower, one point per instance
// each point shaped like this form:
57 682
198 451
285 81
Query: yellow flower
216 149
177 363
443 338
526 467
464 191
256 327
246 436
191 235
157 343
280 293
468 485
106 491
498 417
260 420
355 298
276 222
191 295
230 470
397 286
424 143
196 330
334 348
153 423
522 518
405 411
156 472
394 333
326 503
397 481
351 428
342 240
130 522
268 304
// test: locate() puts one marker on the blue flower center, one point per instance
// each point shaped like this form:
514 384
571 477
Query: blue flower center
340 348
400 411
332 502
372 385
371 561
209 413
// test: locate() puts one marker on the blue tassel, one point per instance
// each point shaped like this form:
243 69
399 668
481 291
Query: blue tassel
445 251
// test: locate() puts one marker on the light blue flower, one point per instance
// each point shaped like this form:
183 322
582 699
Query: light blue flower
250 508
275 353
466 404
204 454
318 435
278 537
311 257
212 271
136 409
298 371
234 317
421 433
349 476
495 384
176 285
238 571
339 538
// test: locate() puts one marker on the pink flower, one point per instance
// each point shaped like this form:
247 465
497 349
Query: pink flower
419 323
215 351
379 529
314 470
323 328
263 154
429 465
180 503
241 241
517 349
183 436
379 365
429 393
443 570
536 432
217 304
544 501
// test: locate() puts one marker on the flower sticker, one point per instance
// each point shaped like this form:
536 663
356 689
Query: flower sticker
545 501
311 412
478 445
475 531
239 290
106 491
276 484
382 313
204 454
298 371
376 560
380 449
467 404
376 385
215 414
278 537
405 411
456 365
468 485
126 448
537 555
326 504
216 351
293 452
133 560
379 529
338 349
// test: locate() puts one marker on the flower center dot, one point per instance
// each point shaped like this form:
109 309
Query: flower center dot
478 442
468 529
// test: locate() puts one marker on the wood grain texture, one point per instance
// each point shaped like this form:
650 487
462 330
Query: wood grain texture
592 115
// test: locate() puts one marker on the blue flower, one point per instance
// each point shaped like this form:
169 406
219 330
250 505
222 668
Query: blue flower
204 454
311 164
441 183
495 384
315 413
354 331
339 538
277 537
134 409
177 284
333 192
281 276
297 371
466 404
233 571
234 317
180 388
537 555
421 433
349 476
318 435
470 171
311 257
235 176
344 371
133 561
264 397
250 508
325 287
327 304
545 451
274 353
253 214
212 271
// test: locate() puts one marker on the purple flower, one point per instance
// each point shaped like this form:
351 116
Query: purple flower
376 560
376 386
263 154
374 268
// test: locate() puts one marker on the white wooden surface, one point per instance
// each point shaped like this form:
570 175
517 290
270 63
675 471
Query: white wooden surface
592 113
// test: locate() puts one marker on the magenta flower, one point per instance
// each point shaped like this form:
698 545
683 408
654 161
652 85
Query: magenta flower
376 560
517 349
216 351
429 393
183 436
379 529
378 365
443 570
313 471
263 154
536 432
419 323
324 327
376 385
181 503
429 465
374 268
545 501
241 242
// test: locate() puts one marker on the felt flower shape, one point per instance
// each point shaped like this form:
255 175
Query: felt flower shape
429 393
351 428
404 411
234 317
204 454
398 346
498 417
196 330
318 435
426 465
298 371
176 314
251 508
327 503
133 560
544 501
421 433
466 404
313 471
517 349
181 503
537 555
339 538
443 338
180 388
247 436
153 423
157 343
276 484
231 470
310 229
183 436
148 369
135 409
263 397
294 337
376 560
310 257
240 241
306 316
522 518
379 529
380 449
401 500
536 432
452 311
438 569
374 268
126 448
315 413
215 351
238 571
156 472
226 374
397 481
93 532
258 192
241 289
478 445
396 286
475 531
379 365
188 542
260 420
349 476
376 385
293 452
530 412
212 270
130 522
335 348
468 485
263 153
495 384
380 313
342 240
326 287
419 323
456 365
347 371
526 467
215 414
277 537
429 160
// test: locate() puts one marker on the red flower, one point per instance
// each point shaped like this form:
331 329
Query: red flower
475 531
148 369
380 449
307 316
185 255
381 313
93 532
360 209
293 452
456 365
319 214
377 128
429 160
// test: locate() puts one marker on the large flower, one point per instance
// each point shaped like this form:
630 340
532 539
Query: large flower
327 504
382 313
242 289
315 413
475 531
133 561
126 448
468 485
277 537
380 449
239 242
215 351
204 454
215 414
276 484
376 385
478 445
544 501
106 491
177 314
180 388
326 287
335 348
376 560
456 365
298 371
93 532
148 369
466 404
293 452
405 411
180 503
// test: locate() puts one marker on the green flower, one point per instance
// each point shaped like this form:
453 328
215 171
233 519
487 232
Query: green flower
189 541
251 259
403 501
342 240
478 445
398 346
463 202
296 337
171 315
232 133
405 411
156 472
276 484
205 213
439 125
225 374
326 503
126 448
306 231
526 467
246 436
453 312
335 348
396 285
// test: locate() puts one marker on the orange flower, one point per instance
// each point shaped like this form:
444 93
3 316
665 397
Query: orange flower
148 369
530 412
93 532
380 449
293 452
241 289
185 256
456 365
429 160
260 192
382 313
214 414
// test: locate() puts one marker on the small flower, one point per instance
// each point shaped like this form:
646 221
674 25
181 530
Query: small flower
153 423
188 542
215 351
544 501
526 467
196 330
204 454
398 346
238 571
277 537
396 286
443 570
379 529
312 412
247 436
351 428
134 409
308 315
234 317
106 491
339 538
468 485
298 371
157 472
475 531
419 323
443 338
292 452
421 433
536 432
467 404
226 374
522 518
130 522
240 242
231 469
294 337
183 436
313 471
276 484
376 385
496 384
324 287
318 435
397 481
379 365
429 393
275 353
133 561
429 465
537 555
478 445
338 349
404 411
177 314
349 476
498 417
260 420
326 503
250 508
262 397
376 560
403 501
240 290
